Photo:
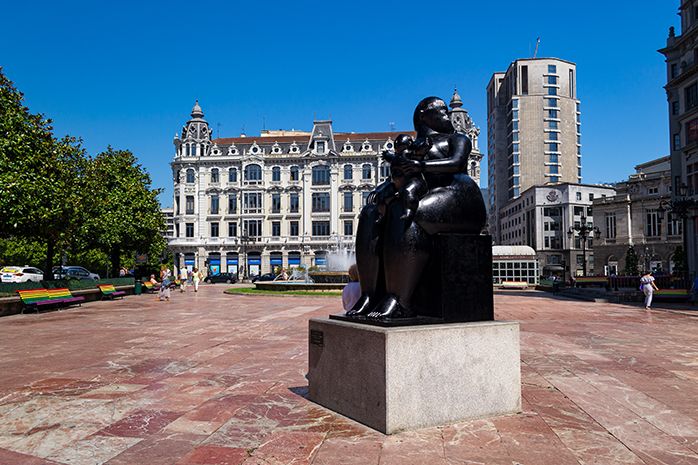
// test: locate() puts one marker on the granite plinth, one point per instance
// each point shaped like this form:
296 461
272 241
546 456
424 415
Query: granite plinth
403 378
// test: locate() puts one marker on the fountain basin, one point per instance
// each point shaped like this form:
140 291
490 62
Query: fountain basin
334 277
298 286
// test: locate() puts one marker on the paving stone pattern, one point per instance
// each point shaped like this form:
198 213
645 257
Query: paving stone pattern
212 379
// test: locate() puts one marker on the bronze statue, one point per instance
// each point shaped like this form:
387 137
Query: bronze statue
429 194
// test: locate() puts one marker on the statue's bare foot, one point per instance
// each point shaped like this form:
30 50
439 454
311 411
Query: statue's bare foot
389 308
361 307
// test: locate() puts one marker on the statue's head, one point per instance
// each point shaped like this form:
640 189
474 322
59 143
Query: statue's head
403 142
432 113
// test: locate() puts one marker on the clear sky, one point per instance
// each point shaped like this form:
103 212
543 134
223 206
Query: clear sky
127 73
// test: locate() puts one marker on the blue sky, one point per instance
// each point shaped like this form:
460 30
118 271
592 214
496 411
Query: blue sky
127 73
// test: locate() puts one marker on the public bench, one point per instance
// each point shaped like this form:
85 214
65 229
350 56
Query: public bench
110 292
513 285
65 294
148 287
40 298
672 294
591 281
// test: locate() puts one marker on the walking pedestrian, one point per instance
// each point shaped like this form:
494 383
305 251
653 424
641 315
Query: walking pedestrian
648 287
183 275
198 276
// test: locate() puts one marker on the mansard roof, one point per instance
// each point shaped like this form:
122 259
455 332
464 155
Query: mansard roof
339 137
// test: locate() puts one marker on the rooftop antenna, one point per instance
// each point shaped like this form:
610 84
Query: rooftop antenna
264 123
218 128
535 53
391 125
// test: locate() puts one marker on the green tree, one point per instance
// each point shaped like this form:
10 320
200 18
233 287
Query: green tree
40 176
631 262
123 214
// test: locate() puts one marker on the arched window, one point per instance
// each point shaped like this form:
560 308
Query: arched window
253 173
177 176
190 175
348 172
233 175
214 175
385 170
366 171
295 173
321 175
276 174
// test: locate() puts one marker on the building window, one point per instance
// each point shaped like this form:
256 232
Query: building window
233 202
553 147
553 169
232 229
253 228
653 227
321 228
295 173
276 228
515 114
366 171
553 158
252 202
233 175
214 229
293 228
189 205
276 202
348 228
321 202
571 84
215 176
579 196
691 96
552 113
385 168
524 80
321 175
320 146
675 107
348 201
552 69
553 125
552 79
253 173
692 131
677 141
673 70
348 172
552 90
610 225
674 225
591 196
276 174
189 229
551 136
293 202
190 175
364 197
214 204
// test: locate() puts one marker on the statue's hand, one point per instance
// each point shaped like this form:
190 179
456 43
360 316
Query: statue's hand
407 166
388 155
422 146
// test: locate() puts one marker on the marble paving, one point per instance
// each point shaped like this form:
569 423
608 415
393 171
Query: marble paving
212 379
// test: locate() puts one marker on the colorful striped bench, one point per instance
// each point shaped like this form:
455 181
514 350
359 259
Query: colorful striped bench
109 291
678 294
65 294
149 287
591 280
37 299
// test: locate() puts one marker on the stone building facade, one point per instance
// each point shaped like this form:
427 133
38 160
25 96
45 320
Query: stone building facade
681 53
247 205
633 217
541 218
533 130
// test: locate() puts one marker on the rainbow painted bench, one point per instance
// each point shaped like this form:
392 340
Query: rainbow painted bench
110 292
41 298
673 294
65 294
591 280
148 286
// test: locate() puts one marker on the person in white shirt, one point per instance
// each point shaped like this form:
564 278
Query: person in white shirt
352 291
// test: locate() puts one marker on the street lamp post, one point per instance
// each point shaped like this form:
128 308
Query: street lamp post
680 206
244 238
584 231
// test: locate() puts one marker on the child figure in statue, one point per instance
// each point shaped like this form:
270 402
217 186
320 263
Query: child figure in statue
410 187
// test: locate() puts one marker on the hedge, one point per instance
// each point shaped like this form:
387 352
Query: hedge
10 289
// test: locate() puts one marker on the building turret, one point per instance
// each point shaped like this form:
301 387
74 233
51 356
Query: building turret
196 135
463 123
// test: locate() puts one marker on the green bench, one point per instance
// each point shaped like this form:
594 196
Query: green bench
672 294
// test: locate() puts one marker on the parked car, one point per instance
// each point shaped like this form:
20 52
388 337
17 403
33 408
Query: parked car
221 278
20 274
73 272
264 277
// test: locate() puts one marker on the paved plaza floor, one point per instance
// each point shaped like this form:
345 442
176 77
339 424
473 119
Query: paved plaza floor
214 379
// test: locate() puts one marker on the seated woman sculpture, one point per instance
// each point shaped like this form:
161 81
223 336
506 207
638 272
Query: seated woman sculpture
392 254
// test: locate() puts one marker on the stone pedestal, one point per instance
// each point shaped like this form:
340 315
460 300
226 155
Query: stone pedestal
402 378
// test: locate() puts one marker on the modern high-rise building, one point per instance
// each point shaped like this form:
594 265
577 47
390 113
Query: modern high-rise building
682 97
533 131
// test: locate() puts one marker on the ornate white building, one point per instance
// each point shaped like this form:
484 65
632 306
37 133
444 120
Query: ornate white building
280 199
